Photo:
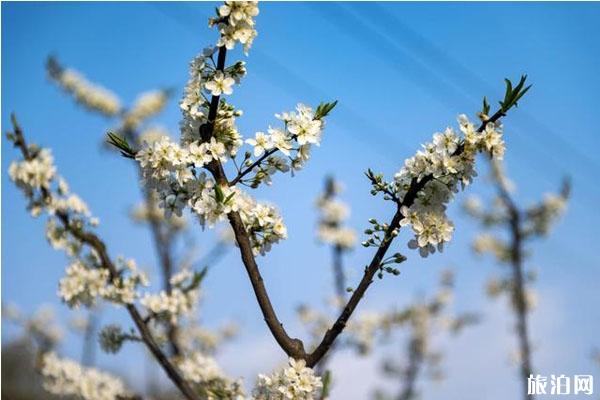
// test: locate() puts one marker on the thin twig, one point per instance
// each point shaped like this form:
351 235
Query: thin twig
415 361
518 287
249 169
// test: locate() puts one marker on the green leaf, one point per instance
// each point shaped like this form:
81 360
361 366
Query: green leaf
197 279
326 384
486 106
324 109
121 144
229 198
513 95
219 196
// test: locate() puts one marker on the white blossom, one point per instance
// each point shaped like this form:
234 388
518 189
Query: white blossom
90 95
261 143
332 216
65 377
303 126
296 382
33 174
220 84
236 23
84 284
200 368
448 170
174 305
145 106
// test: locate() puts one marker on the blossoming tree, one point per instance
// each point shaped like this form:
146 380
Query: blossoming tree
522 225
207 173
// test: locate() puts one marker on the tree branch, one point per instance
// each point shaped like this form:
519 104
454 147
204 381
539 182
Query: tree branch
415 360
292 346
255 164
98 245
518 287
371 270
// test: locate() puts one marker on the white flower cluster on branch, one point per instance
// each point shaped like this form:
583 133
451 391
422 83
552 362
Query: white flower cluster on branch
333 214
179 302
172 171
451 170
99 99
528 223
296 382
211 382
191 174
146 105
236 23
37 176
41 326
85 282
67 378
34 174
88 94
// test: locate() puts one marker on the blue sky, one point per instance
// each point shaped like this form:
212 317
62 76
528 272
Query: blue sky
400 71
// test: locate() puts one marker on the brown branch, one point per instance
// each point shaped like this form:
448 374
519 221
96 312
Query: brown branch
249 169
292 346
98 245
338 272
163 245
371 270
518 287
415 361
339 325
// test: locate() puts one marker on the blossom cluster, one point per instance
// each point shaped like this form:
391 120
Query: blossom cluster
86 281
40 326
98 99
208 378
193 337
34 174
200 368
169 169
296 382
67 378
448 162
541 215
333 214
173 170
37 176
235 22
205 79
496 286
148 211
180 301
88 94
536 220
146 105
301 129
